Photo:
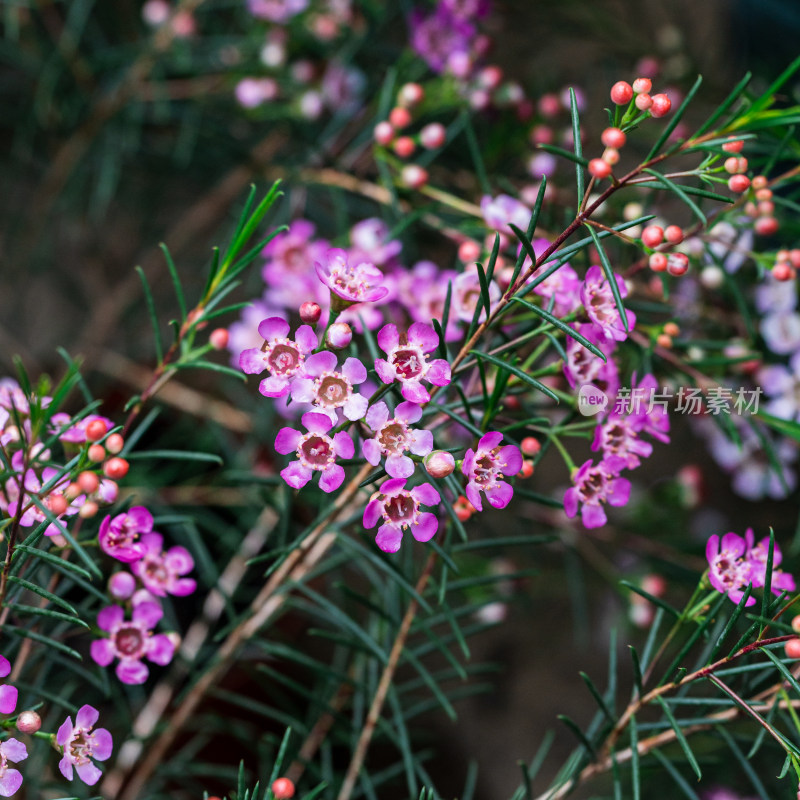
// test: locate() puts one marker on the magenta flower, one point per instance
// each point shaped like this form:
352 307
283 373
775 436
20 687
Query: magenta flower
350 284
400 508
406 360
282 357
729 571
329 389
594 486
161 572
394 437
119 537
501 211
467 295
370 239
563 285
132 640
486 467
598 301
618 437
438 36
60 423
757 558
582 366
80 744
11 779
8 693
316 452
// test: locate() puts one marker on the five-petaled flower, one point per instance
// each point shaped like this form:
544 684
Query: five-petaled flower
394 437
161 571
729 571
400 508
486 467
281 356
10 778
328 389
132 640
350 284
595 485
80 743
598 300
406 360
316 452
120 537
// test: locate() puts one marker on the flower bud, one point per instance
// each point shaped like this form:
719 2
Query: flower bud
621 93
642 85
439 463
121 585
96 453
410 94
792 648
310 313
530 446
383 133
96 430
115 443
399 117
29 722
57 503
283 789
432 136
116 468
414 176
88 510
661 105
219 338
88 482
340 334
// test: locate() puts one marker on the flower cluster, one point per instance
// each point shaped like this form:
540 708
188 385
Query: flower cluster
734 562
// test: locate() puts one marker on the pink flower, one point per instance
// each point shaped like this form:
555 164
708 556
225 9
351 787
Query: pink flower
132 640
582 366
563 285
281 356
400 508
595 485
79 744
351 284
618 437
8 693
729 572
11 779
406 360
160 571
394 437
486 467
316 452
119 537
370 240
501 211
467 295
757 558
328 389
598 301
75 433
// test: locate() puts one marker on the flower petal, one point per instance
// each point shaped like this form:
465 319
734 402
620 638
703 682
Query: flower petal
324 361
87 716
316 422
305 337
423 336
103 744
372 513
377 416
64 732
88 773
296 475
438 372
147 614
425 528
274 386
252 361
332 478
65 765
343 445
421 443
287 440
355 407
399 466
388 337
385 371
8 698
415 392
273 328
499 496
102 652
371 451
160 649
426 495
132 672
110 617
10 782
14 750
354 371
408 412
389 538
5 666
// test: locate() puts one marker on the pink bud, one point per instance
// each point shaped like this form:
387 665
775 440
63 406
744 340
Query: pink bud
760 182
673 234
399 117
88 510
766 226
549 105
432 136
490 77
219 338
469 251
115 443
653 235
643 101
541 134
383 133
29 722
439 463
410 94
677 264
613 137
621 93
661 105
96 453
599 168
642 85
792 648
310 313
658 262
121 585
611 155
404 146
530 446
414 176
733 147
57 503
340 334
783 271
738 183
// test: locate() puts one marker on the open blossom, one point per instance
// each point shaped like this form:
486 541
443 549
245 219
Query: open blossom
316 452
120 537
80 743
485 468
362 283
281 356
467 295
729 571
400 509
394 437
618 437
329 389
279 11
438 36
594 485
582 366
161 571
406 360
132 640
10 778
598 300
757 556
8 693
370 239
501 211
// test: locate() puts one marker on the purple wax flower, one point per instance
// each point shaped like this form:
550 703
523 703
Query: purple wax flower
329 389
423 292
782 385
60 423
400 509
501 211
8 693
279 11
370 242
161 572
467 295
485 468
582 366
80 743
315 451
729 571
282 357
598 301
594 486
362 283
618 438
132 640
437 36
757 556
119 537
10 778
406 360
394 437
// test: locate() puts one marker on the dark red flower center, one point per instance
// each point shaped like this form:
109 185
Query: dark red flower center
129 641
408 363
317 451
